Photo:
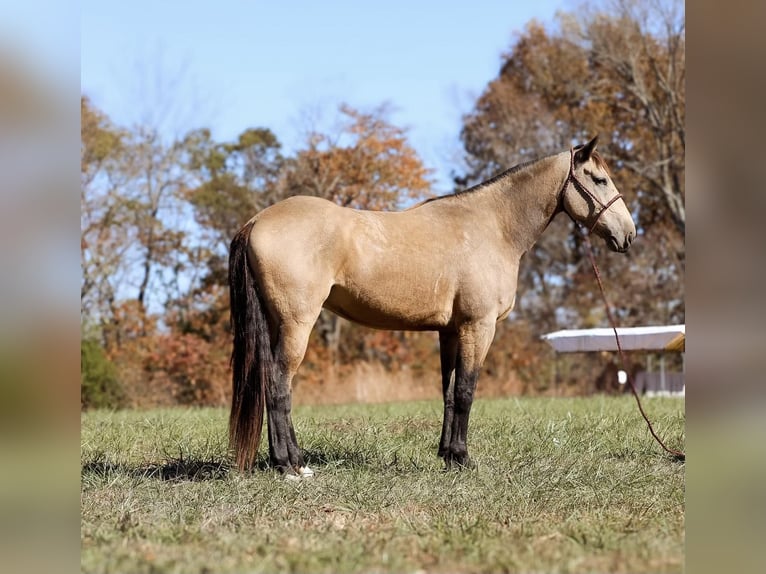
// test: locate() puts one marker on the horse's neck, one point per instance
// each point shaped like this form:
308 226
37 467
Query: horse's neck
527 200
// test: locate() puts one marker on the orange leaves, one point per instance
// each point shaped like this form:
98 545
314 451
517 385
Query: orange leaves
192 367
154 283
368 164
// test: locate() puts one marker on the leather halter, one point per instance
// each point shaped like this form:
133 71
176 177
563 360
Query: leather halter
572 178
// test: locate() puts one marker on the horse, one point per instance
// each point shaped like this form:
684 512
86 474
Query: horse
448 264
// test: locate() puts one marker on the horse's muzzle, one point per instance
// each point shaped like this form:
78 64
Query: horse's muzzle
615 245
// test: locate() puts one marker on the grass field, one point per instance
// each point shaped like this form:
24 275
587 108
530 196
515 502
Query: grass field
561 485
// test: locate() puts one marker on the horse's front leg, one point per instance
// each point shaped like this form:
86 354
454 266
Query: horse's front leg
448 354
473 342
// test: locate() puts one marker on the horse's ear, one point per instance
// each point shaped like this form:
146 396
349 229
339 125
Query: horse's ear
583 153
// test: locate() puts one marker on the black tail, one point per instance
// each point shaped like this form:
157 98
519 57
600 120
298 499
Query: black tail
252 361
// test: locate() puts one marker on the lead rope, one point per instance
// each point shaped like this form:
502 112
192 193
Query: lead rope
677 454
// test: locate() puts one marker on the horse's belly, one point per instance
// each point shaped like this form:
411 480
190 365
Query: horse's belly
392 308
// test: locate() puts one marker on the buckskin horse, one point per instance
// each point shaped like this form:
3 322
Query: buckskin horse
449 264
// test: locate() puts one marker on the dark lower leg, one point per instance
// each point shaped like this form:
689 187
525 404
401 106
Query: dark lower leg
473 342
465 386
284 452
283 445
447 350
447 422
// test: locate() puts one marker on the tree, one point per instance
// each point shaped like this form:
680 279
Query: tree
233 179
640 51
99 385
367 164
617 72
104 223
227 182
153 192
132 220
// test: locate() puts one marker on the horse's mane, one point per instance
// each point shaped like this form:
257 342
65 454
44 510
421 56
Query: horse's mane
499 177
503 175
595 156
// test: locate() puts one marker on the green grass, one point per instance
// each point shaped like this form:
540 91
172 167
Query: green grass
561 485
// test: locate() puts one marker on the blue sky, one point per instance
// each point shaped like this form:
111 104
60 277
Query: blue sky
231 65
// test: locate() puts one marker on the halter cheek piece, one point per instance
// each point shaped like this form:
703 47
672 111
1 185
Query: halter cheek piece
572 178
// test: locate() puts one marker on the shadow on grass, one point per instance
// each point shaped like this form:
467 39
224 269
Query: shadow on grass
172 470
193 469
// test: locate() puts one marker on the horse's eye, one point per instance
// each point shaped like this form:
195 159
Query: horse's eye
599 180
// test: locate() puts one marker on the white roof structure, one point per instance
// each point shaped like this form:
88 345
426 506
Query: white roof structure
661 338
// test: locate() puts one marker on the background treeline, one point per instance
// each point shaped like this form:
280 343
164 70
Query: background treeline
157 215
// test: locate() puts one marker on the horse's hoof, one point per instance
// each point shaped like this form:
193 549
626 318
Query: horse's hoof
299 473
458 462
305 472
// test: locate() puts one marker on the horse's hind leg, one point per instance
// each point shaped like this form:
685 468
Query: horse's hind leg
284 452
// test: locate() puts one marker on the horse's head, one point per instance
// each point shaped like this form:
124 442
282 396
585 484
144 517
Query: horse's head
590 198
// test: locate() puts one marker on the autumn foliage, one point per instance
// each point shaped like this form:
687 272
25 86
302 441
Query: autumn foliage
157 215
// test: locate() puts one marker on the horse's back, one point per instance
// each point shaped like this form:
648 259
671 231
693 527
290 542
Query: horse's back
303 228
391 270
368 266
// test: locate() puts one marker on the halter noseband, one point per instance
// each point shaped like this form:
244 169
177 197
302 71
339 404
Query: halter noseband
572 178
